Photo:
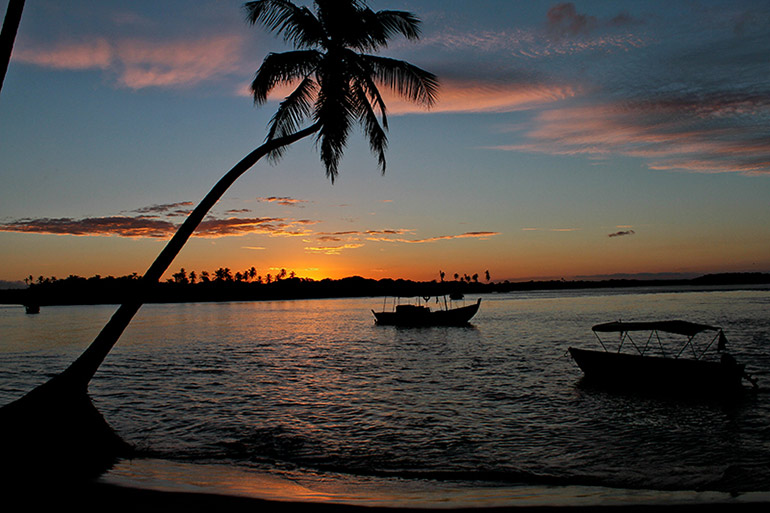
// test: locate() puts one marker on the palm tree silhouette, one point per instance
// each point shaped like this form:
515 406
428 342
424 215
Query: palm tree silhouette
8 35
337 84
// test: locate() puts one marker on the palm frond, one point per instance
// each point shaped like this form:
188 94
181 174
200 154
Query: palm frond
381 26
364 76
400 22
374 95
375 134
409 81
293 110
283 68
335 111
298 25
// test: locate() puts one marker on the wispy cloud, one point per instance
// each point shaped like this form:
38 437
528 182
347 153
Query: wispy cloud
550 229
564 20
354 239
467 235
257 225
698 134
168 209
72 55
283 200
474 95
137 63
486 96
621 233
136 227
540 43
394 235
332 250
144 226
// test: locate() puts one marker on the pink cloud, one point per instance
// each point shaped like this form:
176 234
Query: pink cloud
472 96
142 63
96 54
479 96
694 135
177 63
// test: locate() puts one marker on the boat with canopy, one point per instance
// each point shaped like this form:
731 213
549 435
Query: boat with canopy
655 362
422 315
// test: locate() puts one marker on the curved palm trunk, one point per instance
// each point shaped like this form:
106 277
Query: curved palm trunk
83 369
8 35
56 423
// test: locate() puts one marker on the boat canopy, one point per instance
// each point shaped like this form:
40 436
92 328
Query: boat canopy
686 328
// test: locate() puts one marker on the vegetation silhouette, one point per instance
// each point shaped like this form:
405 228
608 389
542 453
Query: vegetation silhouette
225 286
8 35
56 423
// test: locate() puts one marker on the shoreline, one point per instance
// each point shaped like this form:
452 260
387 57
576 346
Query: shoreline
99 496
157 485
93 291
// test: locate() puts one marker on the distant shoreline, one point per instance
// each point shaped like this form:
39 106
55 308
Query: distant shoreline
100 290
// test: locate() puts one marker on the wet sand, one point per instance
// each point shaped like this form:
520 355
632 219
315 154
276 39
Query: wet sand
147 485
96 496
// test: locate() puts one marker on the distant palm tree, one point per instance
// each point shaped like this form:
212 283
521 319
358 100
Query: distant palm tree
337 84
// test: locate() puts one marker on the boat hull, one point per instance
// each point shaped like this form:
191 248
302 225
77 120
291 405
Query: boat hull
670 375
424 317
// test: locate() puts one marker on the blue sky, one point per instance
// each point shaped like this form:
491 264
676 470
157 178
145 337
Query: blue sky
570 139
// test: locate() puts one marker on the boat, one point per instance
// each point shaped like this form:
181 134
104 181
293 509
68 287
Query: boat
420 315
664 367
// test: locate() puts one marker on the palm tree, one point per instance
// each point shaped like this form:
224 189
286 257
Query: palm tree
337 82
8 35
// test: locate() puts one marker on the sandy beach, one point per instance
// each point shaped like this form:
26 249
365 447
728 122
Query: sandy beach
95 496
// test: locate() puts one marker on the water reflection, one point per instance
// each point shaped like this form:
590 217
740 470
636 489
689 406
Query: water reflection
315 386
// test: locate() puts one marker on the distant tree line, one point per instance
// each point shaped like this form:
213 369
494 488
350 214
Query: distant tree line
223 285
224 274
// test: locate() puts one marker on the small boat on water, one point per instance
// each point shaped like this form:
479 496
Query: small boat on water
419 315
652 365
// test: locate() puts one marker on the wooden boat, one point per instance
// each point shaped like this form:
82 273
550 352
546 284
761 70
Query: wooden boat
652 367
418 315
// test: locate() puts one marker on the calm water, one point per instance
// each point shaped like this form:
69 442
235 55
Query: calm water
311 400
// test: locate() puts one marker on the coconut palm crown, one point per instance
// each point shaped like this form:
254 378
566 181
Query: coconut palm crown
336 81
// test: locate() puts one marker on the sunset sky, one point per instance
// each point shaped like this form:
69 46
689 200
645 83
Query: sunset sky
569 140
